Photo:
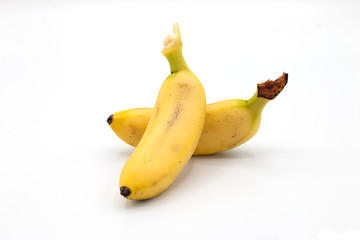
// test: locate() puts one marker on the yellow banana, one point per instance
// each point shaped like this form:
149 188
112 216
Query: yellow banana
173 131
228 123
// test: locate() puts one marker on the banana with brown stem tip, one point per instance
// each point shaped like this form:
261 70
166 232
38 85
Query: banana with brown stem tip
228 123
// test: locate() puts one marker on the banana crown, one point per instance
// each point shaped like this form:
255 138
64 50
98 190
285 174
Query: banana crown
172 41
173 51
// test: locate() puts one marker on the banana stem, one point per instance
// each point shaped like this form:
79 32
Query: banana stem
173 51
266 92
176 60
257 104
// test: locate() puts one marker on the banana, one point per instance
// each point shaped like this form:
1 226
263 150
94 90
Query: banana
173 131
228 123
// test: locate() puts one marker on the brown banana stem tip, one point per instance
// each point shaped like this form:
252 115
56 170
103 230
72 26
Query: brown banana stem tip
110 119
271 88
125 191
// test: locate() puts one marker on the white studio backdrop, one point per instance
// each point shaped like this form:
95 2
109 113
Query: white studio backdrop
65 66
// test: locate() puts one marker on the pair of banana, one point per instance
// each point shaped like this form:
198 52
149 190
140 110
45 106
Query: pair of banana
181 125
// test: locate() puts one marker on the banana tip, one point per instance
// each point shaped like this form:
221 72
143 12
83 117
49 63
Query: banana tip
271 88
110 119
125 191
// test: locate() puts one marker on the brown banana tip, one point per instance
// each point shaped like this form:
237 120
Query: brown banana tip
125 191
110 119
271 88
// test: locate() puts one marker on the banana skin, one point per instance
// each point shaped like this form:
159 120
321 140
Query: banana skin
228 124
173 130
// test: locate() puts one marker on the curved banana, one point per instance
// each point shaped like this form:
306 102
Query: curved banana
173 131
228 123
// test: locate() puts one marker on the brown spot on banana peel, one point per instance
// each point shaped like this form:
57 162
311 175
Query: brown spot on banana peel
157 110
176 114
177 111
133 130
185 89
182 85
270 89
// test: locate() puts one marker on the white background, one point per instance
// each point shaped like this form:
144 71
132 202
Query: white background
65 66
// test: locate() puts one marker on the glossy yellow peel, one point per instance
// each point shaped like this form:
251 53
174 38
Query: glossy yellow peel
173 131
228 123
